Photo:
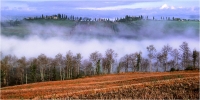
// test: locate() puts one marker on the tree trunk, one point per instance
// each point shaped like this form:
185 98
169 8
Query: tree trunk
150 65
110 67
42 74
63 75
26 77
60 74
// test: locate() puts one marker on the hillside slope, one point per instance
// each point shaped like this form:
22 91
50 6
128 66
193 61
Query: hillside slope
140 85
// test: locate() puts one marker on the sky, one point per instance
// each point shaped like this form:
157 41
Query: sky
101 8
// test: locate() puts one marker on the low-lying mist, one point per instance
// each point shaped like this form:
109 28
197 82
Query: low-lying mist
87 37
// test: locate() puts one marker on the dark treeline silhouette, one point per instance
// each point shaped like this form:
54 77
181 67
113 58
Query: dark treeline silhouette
63 17
127 18
24 70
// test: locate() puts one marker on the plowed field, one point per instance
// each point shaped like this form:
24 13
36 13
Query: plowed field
139 85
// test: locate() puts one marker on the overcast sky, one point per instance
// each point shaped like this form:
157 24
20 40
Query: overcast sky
101 8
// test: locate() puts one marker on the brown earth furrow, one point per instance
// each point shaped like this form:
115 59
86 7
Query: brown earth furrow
96 83
73 95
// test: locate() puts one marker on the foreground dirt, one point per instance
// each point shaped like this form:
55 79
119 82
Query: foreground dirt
157 85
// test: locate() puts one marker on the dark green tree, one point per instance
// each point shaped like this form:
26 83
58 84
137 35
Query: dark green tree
2 77
141 17
138 61
80 19
54 73
127 18
59 16
194 56
62 16
73 18
98 68
33 73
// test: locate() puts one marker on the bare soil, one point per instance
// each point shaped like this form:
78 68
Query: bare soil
138 85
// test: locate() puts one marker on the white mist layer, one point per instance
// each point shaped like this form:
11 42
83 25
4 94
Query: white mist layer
34 46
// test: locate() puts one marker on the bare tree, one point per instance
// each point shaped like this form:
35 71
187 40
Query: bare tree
95 58
53 70
69 64
59 63
125 61
110 56
129 61
87 67
134 61
33 69
42 62
12 62
5 69
151 49
144 64
171 64
21 70
27 65
165 50
49 66
185 57
176 57
76 65
105 65
159 60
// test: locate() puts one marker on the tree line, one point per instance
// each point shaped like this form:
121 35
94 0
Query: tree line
24 70
127 18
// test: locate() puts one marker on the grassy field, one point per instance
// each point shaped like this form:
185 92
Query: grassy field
138 85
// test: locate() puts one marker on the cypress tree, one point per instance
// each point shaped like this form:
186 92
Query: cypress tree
138 61
98 67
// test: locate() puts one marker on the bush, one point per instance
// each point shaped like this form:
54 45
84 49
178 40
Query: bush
172 69
190 68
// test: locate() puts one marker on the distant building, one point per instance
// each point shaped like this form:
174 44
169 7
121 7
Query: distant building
55 17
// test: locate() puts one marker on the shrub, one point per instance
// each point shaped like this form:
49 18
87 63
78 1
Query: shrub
190 68
172 69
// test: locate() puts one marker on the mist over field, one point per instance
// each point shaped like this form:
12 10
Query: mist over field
32 39
96 49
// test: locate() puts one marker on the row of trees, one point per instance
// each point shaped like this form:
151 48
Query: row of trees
123 19
23 70
127 18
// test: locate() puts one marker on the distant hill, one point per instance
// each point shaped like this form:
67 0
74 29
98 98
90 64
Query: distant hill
100 29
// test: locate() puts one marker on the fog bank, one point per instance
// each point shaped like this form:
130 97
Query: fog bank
85 38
